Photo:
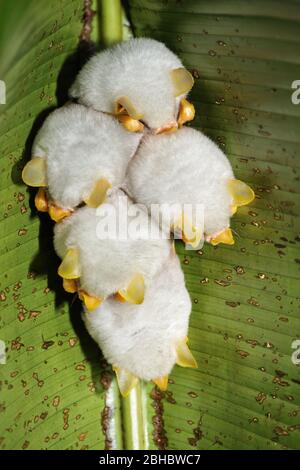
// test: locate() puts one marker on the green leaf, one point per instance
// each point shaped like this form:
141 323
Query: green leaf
56 392
52 386
246 393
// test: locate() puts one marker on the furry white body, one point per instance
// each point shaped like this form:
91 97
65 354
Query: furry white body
108 265
138 69
185 167
81 146
142 338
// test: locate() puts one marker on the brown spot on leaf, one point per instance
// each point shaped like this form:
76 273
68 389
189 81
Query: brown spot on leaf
280 431
159 433
242 353
25 445
56 401
239 270
2 296
73 341
232 304
16 344
47 344
253 301
261 397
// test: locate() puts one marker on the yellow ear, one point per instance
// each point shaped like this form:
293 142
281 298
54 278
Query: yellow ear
184 356
58 213
70 285
126 380
123 104
41 200
161 382
135 291
132 125
90 302
69 267
182 81
241 193
98 194
34 172
186 112
190 234
225 237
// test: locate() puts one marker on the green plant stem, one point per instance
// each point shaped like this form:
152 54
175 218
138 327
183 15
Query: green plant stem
111 22
135 419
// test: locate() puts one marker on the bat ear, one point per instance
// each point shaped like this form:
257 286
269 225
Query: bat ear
34 172
98 194
161 382
135 291
70 267
241 193
184 356
124 105
182 81
225 237
126 380
91 302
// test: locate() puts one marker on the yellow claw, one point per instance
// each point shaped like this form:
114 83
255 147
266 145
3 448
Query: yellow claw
119 298
132 125
91 302
34 172
224 237
186 112
41 200
241 193
98 194
184 356
161 382
70 285
182 81
69 267
124 105
135 291
58 213
126 380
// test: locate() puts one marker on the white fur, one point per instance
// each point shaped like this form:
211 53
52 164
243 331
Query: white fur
108 265
185 167
139 69
81 146
142 338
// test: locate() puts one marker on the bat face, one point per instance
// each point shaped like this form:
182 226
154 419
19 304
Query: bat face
143 340
140 78
103 261
84 152
187 168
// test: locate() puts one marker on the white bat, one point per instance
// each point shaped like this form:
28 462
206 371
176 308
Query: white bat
99 260
141 81
145 341
78 155
186 167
